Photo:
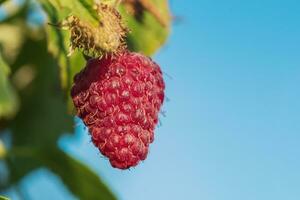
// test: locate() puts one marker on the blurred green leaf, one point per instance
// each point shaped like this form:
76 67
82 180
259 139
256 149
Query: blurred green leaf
2 1
64 8
8 98
3 198
83 182
42 117
147 33
80 180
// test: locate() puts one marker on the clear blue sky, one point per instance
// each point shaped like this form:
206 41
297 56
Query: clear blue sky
232 130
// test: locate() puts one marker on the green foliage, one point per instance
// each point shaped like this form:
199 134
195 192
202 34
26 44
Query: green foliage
35 80
81 180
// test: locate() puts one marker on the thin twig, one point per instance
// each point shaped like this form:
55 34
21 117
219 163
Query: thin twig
55 25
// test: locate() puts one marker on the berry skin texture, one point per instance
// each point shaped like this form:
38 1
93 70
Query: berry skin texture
118 98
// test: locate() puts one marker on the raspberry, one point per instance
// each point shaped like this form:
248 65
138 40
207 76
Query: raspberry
119 98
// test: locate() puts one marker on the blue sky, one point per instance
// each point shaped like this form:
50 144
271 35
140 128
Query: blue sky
232 128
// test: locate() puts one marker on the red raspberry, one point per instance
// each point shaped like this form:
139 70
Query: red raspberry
119 98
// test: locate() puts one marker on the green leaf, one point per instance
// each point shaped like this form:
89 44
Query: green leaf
81 8
83 182
43 116
147 33
79 179
8 98
2 1
3 198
